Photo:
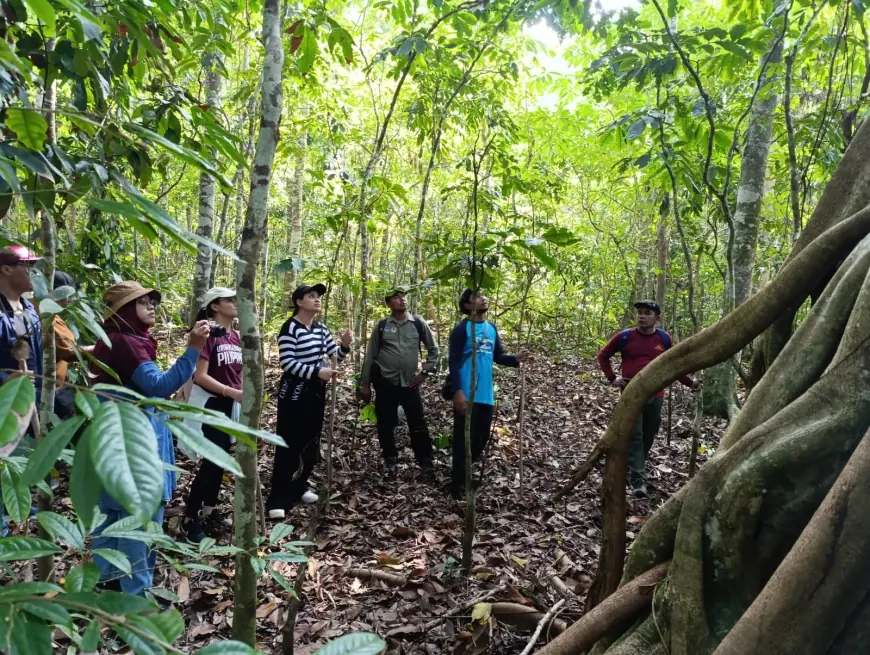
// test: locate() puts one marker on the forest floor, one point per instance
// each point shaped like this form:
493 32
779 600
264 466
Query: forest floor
411 529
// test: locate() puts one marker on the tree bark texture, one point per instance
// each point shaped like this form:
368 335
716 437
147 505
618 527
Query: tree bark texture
720 384
768 542
250 249
294 243
202 269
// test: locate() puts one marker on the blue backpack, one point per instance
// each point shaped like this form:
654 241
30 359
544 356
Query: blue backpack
623 338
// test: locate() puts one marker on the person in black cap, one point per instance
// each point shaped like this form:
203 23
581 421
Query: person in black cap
638 346
303 345
488 351
391 364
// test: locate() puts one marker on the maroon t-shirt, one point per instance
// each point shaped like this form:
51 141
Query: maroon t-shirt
224 355
637 351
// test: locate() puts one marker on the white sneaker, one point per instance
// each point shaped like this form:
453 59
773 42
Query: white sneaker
276 513
309 497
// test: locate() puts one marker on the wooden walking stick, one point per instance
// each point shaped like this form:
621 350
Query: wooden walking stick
333 403
522 417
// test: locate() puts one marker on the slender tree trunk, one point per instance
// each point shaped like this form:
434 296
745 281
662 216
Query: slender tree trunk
245 523
202 270
720 387
662 251
295 209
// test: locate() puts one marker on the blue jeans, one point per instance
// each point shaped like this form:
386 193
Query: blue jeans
142 557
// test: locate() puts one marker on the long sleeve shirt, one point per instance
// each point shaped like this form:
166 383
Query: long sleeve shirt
301 350
489 351
637 351
396 350
24 324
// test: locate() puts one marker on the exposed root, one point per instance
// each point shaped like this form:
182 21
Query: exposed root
373 574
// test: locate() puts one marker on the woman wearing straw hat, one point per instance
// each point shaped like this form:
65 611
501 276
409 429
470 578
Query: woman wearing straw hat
129 319
217 385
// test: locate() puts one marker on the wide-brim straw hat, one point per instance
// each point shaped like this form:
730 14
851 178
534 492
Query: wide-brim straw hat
120 294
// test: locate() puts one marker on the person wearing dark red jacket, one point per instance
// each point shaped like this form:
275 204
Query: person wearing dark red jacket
638 347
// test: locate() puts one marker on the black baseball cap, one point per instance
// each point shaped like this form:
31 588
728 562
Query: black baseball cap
651 305
302 289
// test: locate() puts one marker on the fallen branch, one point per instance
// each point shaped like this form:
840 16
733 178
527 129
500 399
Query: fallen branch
549 615
373 574
558 583
624 603
524 617
465 606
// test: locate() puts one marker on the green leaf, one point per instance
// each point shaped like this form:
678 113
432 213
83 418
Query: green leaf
139 644
48 610
85 488
358 643
87 403
18 548
182 153
82 578
281 580
221 422
308 48
124 452
286 557
279 532
28 589
116 558
44 12
29 126
16 495
636 128
62 529
30 636
406 47
16 397
91 637
47 451
227 648
168 624
199 444
115 602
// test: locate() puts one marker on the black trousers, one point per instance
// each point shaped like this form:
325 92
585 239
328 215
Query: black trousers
207 483
388 398
481 423
301 405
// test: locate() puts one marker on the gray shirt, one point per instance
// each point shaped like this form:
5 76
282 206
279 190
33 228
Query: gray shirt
396 351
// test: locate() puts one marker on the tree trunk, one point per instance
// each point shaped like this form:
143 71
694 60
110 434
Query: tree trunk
720 384
202 270
295 209
250 248
662 251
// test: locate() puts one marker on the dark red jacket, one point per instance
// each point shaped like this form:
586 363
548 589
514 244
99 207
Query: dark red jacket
637 351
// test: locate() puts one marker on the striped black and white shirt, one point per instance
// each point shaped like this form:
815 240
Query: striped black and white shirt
302 350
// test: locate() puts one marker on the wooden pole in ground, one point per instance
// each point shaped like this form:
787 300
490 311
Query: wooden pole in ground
522 412
332 405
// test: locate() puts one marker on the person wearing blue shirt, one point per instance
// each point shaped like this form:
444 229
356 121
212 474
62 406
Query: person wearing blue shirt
488 351
132 357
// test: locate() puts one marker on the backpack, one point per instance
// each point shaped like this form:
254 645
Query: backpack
625 334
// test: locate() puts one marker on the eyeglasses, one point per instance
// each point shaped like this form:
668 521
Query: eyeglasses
147 301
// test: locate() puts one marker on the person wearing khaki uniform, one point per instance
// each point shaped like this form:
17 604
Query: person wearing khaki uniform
391 366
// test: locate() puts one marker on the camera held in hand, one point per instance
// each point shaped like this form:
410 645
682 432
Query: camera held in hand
216 330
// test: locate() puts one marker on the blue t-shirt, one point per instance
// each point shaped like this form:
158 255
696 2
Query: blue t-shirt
485 336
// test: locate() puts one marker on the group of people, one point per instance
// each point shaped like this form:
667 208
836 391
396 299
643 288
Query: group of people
210 370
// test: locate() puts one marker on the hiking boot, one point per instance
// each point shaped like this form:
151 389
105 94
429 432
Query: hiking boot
191 529
638 490
391 467
309 497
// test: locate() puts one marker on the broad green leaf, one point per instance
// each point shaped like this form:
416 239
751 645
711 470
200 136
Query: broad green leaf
114 557
227 648
82 578
114 602
61 529
636 129
30 636
47 451
222 423
281 580
286 557
6 614
18 548
48 610
358 643
49 306
165 594
16 495
87 403
199 444
28 589
16 397
44 12
91 637
182 153
139 644
124 452
279 532
29 126
168 624
85 488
